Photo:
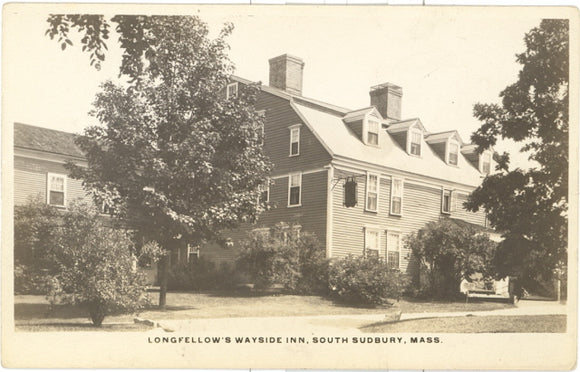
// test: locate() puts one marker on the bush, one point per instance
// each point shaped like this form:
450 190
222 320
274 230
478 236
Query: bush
28 280
202 275
365 280
447 254
96 267
284 256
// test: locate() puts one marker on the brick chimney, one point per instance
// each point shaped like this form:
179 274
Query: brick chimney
286 73
387 98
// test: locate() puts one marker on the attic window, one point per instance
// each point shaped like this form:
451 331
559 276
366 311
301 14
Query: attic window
231 90
373 132
453 153
486 162
415 142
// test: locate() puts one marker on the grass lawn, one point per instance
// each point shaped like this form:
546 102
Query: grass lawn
476 324
32 313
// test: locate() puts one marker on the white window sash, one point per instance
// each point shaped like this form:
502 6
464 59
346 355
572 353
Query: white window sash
295 139
297 178
372 190
372 240
49 187
234 89
412 134
397 249
445 193
397 192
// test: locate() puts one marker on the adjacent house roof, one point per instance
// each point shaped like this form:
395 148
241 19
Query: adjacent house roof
343 142
47 140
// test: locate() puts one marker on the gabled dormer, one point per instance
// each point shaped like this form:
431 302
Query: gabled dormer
481 161
409 134
447 145
366 124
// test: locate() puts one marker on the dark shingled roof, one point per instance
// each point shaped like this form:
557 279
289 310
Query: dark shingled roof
47 140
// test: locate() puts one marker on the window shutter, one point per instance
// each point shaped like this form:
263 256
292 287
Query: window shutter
350 193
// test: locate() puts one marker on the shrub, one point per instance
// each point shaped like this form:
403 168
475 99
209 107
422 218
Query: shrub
365 280
285 256
29 280
96 267
447 254
202 275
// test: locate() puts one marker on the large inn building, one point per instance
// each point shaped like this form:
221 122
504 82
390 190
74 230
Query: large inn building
359 179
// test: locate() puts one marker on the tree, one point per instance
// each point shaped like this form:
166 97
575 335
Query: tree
96 265
448 253
173 156
530 206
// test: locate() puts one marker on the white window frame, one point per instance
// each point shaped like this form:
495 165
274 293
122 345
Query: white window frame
48 188
367 130
368 191
295 129
231 85
299 189
393 181
482 157
443 193
449 143
193 250
410 141
266 188
399 246
368 230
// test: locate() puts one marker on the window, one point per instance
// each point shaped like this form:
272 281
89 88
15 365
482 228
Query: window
371 242
294 140
372 198
373 132
192 253
265 192
231 90
393 250
56 189
415 146
396 196
486 162
453 152
446 201
294 185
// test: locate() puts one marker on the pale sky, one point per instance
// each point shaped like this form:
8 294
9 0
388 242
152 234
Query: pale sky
445 59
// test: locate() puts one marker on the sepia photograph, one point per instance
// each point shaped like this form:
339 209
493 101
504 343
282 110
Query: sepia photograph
336 187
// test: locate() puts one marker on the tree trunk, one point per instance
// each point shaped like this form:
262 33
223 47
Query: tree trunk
97 312
163 274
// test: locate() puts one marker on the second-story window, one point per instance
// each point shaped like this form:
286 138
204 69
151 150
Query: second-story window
294 186
231 90
294 140
415 145
396 196
486 162
372 198
56 189
373 132
453 152
446 201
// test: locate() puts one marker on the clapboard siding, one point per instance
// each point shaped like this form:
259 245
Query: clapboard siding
311 215
421 204
461 213
279 116
30 180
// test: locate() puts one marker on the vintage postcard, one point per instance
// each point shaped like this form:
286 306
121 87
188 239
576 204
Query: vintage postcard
323 187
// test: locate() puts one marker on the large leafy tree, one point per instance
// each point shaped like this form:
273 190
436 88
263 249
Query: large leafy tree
173 156
530 206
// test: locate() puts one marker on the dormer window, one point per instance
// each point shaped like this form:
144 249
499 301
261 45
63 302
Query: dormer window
453 152
373 132
486 162
294 140
415 139
232 90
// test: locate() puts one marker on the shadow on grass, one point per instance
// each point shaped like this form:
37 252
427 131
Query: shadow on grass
80 327
36 311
